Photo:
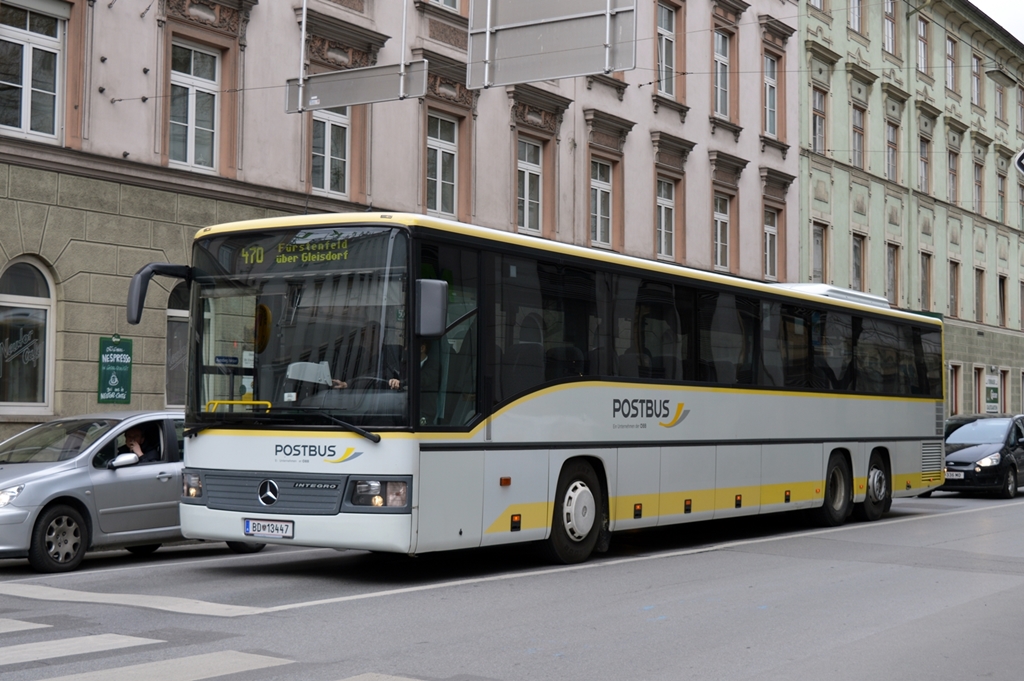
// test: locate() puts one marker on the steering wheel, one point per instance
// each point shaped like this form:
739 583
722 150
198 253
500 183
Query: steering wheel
368 382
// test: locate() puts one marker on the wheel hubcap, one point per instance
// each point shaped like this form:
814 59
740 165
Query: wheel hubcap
877 485
579 510
62 539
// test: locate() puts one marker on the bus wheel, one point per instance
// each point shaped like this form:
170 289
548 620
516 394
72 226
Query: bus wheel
879 491
579 514
838 488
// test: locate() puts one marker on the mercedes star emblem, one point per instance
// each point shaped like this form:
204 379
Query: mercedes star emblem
268 492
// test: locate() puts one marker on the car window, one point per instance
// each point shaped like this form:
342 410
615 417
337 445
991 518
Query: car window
179 434
152 445
54 441
982 431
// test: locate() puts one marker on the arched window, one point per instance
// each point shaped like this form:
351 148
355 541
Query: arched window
26 368
177 346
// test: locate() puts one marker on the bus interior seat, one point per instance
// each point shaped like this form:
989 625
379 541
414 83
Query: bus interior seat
523 365
562 362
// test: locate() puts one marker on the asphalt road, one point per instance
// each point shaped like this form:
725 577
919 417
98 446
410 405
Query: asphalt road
935 590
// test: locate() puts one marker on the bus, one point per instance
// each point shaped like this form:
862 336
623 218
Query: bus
400 383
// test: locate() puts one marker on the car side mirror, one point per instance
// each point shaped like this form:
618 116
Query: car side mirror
122 460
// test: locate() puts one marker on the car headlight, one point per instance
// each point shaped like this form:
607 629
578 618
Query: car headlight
390 493
991 460
191 485
10 494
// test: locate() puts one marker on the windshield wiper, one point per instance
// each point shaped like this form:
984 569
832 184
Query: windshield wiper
372 437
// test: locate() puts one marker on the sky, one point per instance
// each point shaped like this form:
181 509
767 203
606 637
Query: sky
1007 13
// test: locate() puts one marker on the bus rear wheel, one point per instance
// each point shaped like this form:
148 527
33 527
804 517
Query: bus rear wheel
579 516
838 492
879 493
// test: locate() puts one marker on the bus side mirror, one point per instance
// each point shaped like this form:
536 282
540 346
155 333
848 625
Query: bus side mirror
140 282
431 307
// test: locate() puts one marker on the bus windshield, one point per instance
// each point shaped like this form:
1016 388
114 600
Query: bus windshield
300 326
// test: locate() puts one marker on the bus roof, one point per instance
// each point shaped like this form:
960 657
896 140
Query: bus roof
821 293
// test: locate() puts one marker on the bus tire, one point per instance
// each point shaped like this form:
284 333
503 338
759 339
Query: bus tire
245 547
879 490
579 516
838 492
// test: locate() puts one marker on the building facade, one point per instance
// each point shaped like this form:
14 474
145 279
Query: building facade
113 152
911 114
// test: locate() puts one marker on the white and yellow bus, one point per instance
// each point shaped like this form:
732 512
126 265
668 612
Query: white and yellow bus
395 382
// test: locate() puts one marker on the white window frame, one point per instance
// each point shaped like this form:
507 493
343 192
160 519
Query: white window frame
976 88
722 42
819 253
1020 109
952 176
979 295
49 306
924 166
450 4
666 50
954 289
889 26
442 149
819 120
954 383
30 43
771 95
926 281
858 115
332 120
179 316
601 203
1001 197
855 15
721 230
771 244
526 171
194 85
922 44
892 151
858 254
665 212
892 273
951 79
979 186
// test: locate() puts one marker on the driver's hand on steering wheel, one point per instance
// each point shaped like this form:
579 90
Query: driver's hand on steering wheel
394 383
338 383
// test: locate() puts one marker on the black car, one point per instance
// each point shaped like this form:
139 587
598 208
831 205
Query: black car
984 453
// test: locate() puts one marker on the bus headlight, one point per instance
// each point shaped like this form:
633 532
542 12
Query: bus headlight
191 485
10 494
380 493
991 460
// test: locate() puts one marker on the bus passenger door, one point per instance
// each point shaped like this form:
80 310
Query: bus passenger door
450 500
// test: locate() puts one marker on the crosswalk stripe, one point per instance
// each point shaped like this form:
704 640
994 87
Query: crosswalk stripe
45 650
191 668
377 677
188 606
10 626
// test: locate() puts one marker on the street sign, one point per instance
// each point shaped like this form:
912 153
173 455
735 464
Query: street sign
523 41
115 384
1018 161
357 86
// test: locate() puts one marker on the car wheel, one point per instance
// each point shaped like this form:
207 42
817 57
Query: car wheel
143 550
59 540
878 493
245 547
838 488
579 515
1009 490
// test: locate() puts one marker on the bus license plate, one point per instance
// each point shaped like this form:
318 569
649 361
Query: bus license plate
954 475
279 529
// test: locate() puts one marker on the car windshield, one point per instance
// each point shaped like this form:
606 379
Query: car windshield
301 325
54 441
982 431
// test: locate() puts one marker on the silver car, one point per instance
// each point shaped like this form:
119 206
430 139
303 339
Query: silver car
73 485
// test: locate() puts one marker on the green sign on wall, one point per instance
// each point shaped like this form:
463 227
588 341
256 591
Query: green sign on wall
115 371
